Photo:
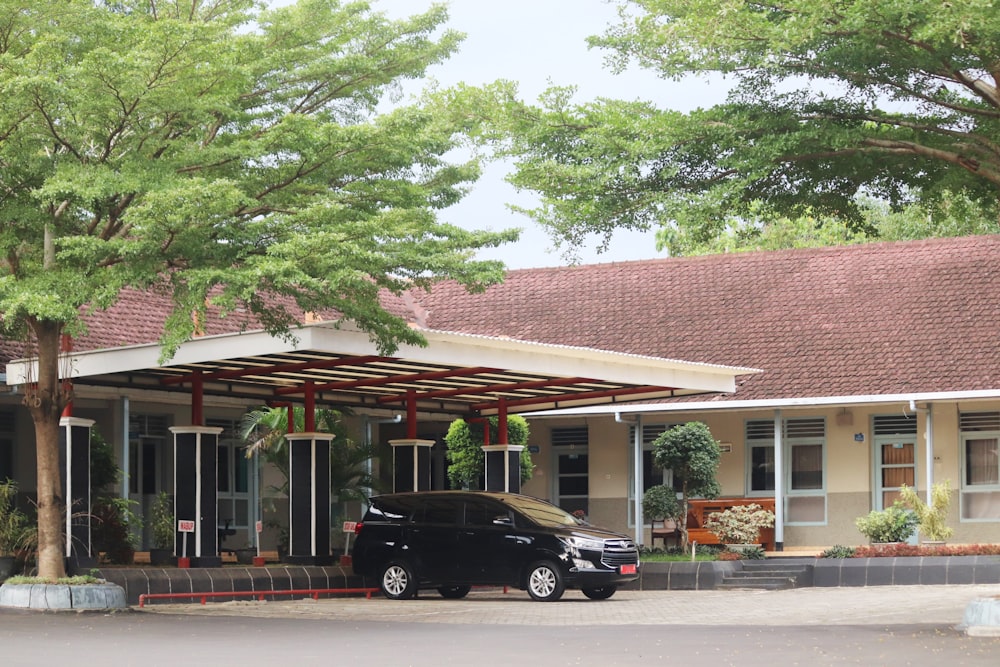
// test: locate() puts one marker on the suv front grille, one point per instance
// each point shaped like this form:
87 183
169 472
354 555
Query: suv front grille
619 552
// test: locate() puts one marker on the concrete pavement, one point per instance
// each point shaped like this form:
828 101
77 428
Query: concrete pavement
875 605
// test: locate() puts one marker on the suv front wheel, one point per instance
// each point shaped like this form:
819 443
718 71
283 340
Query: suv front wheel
398 582
602 593
545 582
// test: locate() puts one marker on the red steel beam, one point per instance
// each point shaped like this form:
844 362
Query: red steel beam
392 379
276 368
492 388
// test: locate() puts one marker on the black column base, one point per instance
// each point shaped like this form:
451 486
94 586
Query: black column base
81 565
207 561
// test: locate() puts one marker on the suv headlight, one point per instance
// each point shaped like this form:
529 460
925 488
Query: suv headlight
576 543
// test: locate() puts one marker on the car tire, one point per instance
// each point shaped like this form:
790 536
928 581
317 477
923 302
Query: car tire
454 592
398 581
602 593
545 581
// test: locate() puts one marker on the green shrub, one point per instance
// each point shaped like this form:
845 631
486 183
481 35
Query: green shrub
749 553
838 551
893 524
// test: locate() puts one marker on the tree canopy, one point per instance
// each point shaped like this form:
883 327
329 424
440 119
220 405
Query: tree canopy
830 103
224 153
691 453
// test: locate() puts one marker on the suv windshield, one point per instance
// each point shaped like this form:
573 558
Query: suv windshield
542 513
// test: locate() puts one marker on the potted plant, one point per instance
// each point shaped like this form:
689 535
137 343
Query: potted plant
162 525
931 518
659 505
893 524
245 555
739 527
13 528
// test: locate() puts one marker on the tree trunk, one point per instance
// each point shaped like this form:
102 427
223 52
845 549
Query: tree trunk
45 401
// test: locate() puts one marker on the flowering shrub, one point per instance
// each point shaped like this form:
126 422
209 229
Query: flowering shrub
903 549
740 524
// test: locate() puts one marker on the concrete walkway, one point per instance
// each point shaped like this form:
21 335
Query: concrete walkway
882 605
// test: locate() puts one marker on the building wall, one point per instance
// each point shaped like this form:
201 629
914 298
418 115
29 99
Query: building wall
849 465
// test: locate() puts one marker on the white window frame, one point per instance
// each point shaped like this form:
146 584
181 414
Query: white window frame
650 432
789 442
966 490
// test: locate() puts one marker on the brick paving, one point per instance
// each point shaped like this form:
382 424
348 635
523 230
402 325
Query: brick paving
877 605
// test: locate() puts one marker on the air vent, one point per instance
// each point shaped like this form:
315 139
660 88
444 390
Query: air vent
805 428
148 426
980 421
650 432
760 429
895 425
565 437
228 426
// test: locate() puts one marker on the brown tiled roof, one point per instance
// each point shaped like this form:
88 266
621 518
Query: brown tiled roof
883 318
886 318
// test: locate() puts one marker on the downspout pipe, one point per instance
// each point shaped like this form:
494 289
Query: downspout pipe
779 486
637 473
929 449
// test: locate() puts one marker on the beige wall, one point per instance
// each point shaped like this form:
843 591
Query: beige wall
849 464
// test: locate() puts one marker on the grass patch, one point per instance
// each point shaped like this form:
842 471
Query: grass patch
78 580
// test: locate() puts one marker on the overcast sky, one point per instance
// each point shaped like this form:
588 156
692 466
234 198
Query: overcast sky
535 43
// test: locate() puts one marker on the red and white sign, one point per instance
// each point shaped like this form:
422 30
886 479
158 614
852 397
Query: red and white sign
349 526
185 526
260 526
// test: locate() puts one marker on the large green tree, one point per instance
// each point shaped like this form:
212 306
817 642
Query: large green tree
223 152
892 99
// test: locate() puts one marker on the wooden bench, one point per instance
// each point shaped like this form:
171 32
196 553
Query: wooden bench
700 510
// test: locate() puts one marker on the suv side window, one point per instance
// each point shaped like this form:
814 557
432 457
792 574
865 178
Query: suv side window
483 513
394 510
439 511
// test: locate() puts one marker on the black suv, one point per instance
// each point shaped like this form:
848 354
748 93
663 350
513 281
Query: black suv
452 540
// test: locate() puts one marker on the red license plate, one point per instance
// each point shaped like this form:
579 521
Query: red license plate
628 569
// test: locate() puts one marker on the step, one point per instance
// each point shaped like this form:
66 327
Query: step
767 565
757 583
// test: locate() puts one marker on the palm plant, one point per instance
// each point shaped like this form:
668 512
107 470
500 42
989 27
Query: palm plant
264 430
13 522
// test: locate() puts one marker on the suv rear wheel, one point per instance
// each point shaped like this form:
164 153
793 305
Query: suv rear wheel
545 582
398 582
454 592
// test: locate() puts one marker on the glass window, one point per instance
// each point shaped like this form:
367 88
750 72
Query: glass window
572 464
652 474
762 468
478 513
804 443
980 494
981 465
234 484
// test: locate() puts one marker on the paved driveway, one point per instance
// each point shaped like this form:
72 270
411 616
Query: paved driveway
814 627
940 605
